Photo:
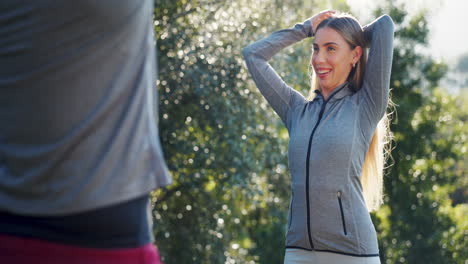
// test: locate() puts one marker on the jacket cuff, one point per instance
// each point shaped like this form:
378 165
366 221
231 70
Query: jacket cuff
308 28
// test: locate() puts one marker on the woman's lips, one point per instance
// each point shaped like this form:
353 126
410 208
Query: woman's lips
323 73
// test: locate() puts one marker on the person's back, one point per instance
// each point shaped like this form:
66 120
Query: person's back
77 130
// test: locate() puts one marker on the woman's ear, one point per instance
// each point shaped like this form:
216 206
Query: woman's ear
357 53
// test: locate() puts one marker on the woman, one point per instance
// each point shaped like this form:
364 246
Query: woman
336 139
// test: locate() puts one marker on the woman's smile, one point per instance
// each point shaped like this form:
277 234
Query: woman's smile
323 73
332 59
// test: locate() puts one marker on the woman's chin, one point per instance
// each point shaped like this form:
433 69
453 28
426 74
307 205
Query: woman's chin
324 86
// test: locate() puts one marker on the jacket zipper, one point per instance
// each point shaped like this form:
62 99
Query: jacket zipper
291 212
342 214
308 162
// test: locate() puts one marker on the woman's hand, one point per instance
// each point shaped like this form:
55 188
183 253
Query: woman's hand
320 17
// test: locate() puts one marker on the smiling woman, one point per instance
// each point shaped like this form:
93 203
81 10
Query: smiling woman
345 41
333 59
337 49
335 151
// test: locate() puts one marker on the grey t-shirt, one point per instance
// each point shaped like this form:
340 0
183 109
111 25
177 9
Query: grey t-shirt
77 105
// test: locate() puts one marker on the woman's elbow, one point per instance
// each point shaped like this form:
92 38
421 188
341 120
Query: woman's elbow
388 22
247 52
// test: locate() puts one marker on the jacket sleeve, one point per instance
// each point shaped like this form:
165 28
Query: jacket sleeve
278 94
376 84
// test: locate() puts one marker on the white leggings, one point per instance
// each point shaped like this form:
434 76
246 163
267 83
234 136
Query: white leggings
300 256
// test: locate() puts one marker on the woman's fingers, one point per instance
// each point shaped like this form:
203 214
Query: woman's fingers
317 19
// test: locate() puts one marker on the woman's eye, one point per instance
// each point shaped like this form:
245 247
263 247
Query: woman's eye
331 49
315 49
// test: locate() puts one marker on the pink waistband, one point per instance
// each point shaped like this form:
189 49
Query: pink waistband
20 250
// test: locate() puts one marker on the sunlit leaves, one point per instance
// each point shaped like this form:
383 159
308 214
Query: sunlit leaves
219 137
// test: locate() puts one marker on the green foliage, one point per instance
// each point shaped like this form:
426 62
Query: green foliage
459 75
221 140
227 149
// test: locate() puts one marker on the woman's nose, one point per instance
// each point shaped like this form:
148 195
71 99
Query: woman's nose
318 58
321 57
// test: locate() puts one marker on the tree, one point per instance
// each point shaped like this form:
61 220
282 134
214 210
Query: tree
458 76
221 140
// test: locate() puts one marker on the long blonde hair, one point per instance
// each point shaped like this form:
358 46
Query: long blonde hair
379 148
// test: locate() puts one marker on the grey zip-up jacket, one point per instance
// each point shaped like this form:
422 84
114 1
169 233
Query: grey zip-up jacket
328 143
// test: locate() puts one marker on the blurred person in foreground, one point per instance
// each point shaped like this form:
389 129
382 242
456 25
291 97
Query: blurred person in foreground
337 137
79 144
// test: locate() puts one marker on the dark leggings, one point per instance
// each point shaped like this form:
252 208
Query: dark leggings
125 225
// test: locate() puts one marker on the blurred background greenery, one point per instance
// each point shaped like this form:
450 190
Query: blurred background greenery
227 149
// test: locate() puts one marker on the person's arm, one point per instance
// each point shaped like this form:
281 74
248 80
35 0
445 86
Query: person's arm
376 83
278 94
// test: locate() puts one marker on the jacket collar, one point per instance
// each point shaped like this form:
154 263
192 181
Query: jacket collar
337 93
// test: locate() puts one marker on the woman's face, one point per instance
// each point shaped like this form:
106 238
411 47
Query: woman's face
332 58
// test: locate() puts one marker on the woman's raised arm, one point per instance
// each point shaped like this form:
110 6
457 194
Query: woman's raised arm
278 94
376 84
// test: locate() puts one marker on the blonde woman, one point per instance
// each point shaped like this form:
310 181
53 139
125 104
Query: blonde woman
336 138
